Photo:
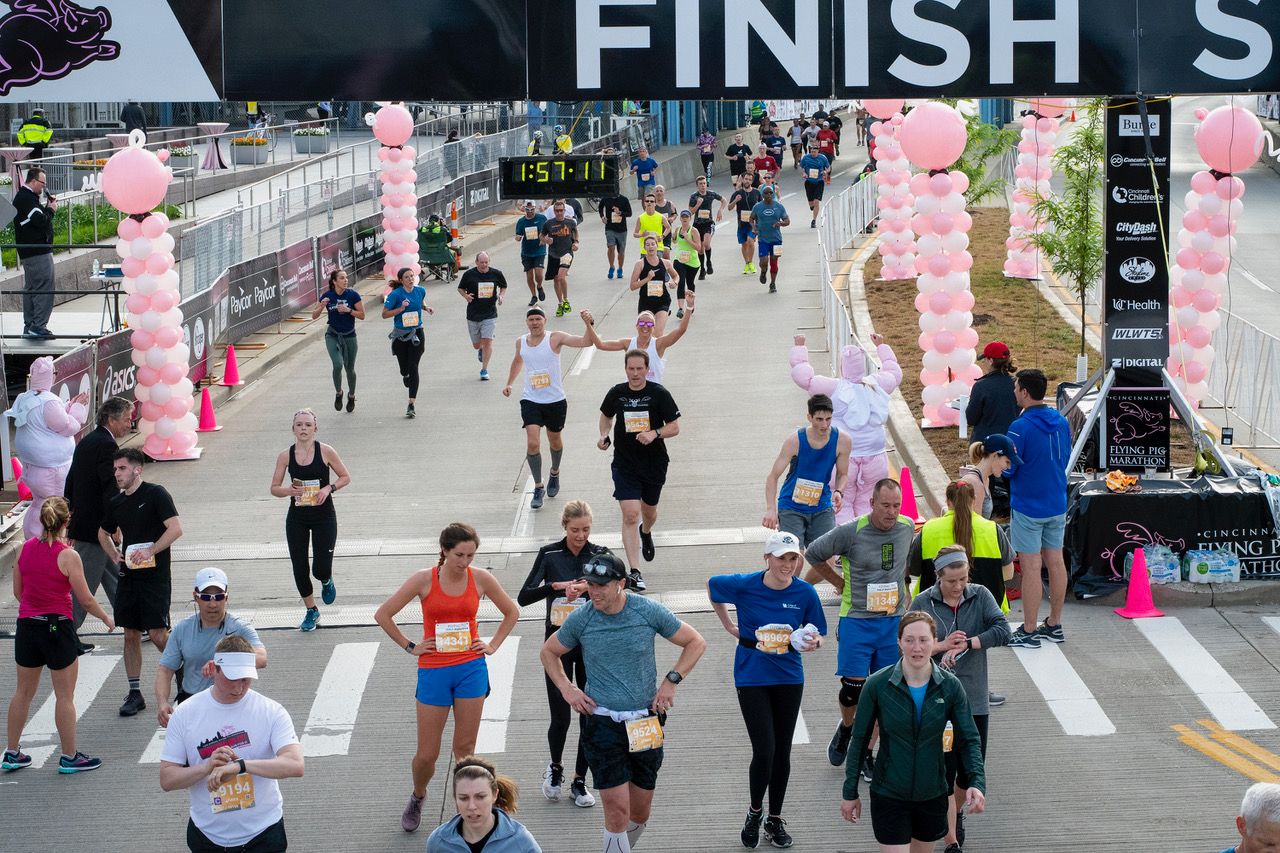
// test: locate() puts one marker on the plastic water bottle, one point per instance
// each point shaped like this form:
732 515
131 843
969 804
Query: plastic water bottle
97 268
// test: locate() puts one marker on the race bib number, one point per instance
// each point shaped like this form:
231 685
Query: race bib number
948 738
643 734
636 421
133 556
562 607
882 597
644 176
540 379
773 639
685 254
813 174
484 290
233 795
777 250
310 490
657 288
531 233
453 637
744 216
410 319
566 260
615 217
807 492
704 214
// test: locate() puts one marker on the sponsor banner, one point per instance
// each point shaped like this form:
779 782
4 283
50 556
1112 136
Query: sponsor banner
201 315
296 272
75 375
335 253
117 375
1136 433
367 244
1136 276
253 297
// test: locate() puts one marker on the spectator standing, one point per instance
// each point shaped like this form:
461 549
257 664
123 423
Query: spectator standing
992 406
36 132
133 118
33 231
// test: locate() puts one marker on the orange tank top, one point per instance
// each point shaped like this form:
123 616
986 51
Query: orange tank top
451 619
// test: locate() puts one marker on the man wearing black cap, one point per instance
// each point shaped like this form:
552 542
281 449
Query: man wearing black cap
625 705
533 252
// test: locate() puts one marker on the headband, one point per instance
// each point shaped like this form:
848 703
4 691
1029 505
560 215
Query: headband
952 558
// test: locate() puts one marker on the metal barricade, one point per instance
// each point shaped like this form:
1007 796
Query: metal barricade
1243 381
850 214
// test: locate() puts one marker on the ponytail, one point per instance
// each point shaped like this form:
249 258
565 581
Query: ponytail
960 498
977 453
505 790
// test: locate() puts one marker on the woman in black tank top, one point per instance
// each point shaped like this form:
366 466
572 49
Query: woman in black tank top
653 273
302 476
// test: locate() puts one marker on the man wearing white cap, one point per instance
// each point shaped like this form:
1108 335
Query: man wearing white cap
190 648
228 746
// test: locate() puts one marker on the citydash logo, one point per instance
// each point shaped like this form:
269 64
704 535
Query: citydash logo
1136 229
48 39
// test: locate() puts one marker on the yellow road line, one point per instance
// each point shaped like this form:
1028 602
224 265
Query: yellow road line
1224 756
1242 744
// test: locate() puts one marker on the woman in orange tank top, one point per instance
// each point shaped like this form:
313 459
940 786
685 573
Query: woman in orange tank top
451 667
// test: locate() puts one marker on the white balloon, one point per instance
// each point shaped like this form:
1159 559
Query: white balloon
953 203
1210 205
161 393
1211 321
1204 355
1216 283
184 387
166 427
928 245
179 353
934 395
956 282
1202 241
123 248
140 248
955 241
957 388
929 283
187 423
928 205
168 280
164 243
155 358
1235 209
960 359
147 284
1187 317
150 321
933 361
172 318
930 322
1197 390
956 321
141 393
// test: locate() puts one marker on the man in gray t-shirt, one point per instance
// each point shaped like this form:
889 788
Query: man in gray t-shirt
873 554
192 641
625 705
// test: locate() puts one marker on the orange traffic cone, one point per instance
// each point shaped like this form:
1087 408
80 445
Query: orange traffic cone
453 222
909 508
1073 115
231 370
1137 602
208 423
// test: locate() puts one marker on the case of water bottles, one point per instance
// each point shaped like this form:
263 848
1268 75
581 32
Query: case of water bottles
1204 566
1163 564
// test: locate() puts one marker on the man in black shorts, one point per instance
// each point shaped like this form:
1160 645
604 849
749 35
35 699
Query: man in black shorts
739 154
614 212
147 522
560 235
700 203
643 415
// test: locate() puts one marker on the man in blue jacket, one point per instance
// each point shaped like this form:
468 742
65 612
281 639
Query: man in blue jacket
1038 497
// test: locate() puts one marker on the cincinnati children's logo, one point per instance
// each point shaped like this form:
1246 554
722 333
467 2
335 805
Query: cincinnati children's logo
48 39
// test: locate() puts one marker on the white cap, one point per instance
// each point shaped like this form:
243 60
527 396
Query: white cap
237 665
782 542
211 576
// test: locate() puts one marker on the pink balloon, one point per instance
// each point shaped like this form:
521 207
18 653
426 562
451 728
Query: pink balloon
1204 301
1180 297
940 303
883 107
393 125
1194 220
925 341
177 407
1230 188
961 261
162 300
136 304
159 263
1230 139
151 411
1046 125
166 338
933 135
920 224
1203 182
922 301
156 446
1220 225
182 442
147 376
134 180
933 414
963 222
938 265
968 339
1194 371
1198 336
132 267
959 182
1212 263
1051 107
919 184
155 225
1021 171
944 341
942 223
940 184
1188 259
963 301
129 229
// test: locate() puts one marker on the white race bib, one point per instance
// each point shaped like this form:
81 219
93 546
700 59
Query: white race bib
484 290
882 598
644 176
685 255
566 260
773 639
636 421
643 734
132 560
704 214
777 250
531 233
744 216
813 174
807 492
615 217
562 607
540 379
657 288
410 319
453 637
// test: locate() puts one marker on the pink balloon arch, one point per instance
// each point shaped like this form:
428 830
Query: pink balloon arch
894 199
1230 139
135 181
933 136
1032 175
393 127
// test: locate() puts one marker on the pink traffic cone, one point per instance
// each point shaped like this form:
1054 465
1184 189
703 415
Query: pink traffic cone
231 371
208 423
1138 603
909 508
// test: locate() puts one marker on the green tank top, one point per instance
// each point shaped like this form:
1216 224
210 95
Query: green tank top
685 253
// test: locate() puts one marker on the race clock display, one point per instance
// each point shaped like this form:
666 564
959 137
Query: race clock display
565 176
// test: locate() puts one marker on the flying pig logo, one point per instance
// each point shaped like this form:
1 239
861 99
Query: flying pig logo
48 39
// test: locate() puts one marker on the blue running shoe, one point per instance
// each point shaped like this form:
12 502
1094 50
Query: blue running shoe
610 272
328 592
15 760
78 763
311 620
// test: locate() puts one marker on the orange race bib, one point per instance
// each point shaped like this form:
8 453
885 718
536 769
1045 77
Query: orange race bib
882 598
562 608
133 558
539 379
774 639
453 637
233 795
807 492
644 734
636 421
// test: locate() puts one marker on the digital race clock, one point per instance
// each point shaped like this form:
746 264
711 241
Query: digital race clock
565 176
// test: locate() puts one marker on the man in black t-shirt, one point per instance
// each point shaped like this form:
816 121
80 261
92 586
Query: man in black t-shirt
743 199
560 234
700 204
642 415
738 154
482 287
614 213
147 521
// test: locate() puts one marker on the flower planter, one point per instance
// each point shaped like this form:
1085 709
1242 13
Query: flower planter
311 144
248 155
180 163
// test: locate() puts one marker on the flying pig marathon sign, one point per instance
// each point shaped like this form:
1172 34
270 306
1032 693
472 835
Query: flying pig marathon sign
202 50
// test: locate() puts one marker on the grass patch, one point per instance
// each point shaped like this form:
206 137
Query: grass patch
82 227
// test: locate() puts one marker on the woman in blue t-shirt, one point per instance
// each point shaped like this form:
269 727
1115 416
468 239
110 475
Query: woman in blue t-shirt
779 615
407 304
344 307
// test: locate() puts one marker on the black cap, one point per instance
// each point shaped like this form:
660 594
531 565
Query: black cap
604 567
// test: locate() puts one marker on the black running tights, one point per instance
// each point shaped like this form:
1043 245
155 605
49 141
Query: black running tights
407 356
562 715
322 535
688 279
770 713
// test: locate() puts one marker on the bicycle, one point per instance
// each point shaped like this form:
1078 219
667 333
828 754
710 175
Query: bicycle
263 128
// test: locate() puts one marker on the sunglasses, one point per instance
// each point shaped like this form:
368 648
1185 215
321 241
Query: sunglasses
600 570
212 596
644 325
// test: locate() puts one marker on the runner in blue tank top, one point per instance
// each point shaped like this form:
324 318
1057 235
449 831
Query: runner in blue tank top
808 502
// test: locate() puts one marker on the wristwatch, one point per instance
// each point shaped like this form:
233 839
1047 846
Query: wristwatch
968 643
242 767
410 646
674 677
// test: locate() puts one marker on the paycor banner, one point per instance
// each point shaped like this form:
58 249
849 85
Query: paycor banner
645 49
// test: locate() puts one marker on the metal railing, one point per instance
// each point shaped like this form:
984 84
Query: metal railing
843 219
1243 381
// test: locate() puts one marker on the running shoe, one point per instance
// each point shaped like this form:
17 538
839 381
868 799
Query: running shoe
484 375
773 288
404 377
582 798
533 300
995 700
560 310
838 749
610 272
568 309
954 848
337 402
85 648
351 403
868 767
775 832
78 763
542 294
552 782
646 545
753 267
309 621
764 275
15 760
636 581
409 411
702 272
751 829
746 269
813 223
1024 639
620 272
328 592
553 485
538 493
710 270
1052 633
411 817
133 703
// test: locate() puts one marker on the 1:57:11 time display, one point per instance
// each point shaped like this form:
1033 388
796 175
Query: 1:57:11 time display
559 170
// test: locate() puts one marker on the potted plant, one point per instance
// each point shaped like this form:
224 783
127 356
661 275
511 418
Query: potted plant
183 157
248 150
311 140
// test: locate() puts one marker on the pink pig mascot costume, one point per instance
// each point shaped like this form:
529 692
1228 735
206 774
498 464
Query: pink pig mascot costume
45 439
861 410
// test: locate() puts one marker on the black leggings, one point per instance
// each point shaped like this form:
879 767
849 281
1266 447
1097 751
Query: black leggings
955 773
562 714
688 279
770 713
707 160
321 534
407 356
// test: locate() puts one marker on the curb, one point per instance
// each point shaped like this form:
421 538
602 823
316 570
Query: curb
1260 593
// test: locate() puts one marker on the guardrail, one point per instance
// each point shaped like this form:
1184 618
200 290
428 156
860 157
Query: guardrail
843 219
1244 379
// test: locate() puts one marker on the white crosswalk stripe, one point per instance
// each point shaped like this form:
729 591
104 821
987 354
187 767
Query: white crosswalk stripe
1068 697
40 737
492 737
333 713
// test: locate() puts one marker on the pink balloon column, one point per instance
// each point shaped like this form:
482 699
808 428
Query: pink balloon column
1032 174
933 136
135 180
393 126
1230 139
894 201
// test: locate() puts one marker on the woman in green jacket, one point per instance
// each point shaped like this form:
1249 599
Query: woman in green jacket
913 701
